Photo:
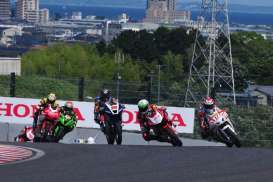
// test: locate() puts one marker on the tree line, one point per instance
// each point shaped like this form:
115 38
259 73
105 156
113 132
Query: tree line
143 50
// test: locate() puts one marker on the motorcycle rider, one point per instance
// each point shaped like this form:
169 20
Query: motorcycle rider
207 109
39 116
105 96
26 135
144 110
67 111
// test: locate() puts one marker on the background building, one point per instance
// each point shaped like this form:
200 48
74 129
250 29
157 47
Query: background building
164 11
44 16
9 65
76 15
27 10
5 7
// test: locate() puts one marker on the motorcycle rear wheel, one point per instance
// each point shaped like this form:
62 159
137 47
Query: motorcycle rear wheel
176 142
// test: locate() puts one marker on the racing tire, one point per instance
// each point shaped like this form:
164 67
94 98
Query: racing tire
45 133
233 137
118 133
60 134
175 141
109 133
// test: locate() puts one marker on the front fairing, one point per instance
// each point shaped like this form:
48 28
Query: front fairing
67 121
52 114
112 108
154 118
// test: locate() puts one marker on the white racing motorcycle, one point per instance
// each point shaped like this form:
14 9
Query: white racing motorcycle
222 129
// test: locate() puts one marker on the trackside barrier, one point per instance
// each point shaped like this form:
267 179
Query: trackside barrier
21 111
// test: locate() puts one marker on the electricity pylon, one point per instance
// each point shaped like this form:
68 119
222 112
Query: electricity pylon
211 67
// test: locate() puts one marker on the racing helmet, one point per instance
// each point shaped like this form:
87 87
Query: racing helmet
69 105
105 94
51 97
143 105
208 104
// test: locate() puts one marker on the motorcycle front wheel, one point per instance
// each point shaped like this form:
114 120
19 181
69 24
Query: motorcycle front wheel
60 133
110 136
233 137
118 133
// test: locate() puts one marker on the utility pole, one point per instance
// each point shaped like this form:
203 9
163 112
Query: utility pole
158 88
151 75
119 58
212 65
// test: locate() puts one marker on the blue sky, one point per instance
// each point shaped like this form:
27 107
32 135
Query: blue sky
143 2
246 2
253 2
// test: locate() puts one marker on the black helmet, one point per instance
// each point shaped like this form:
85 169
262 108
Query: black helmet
105 93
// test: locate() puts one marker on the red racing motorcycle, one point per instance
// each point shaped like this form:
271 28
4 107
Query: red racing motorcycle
159 122
51 118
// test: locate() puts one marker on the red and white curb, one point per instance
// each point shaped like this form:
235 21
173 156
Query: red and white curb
15 154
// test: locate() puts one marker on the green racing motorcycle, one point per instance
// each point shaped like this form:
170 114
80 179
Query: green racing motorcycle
65 124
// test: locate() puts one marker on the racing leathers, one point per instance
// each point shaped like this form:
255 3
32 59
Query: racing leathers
70 121
203 117
146 127
72 115
98 109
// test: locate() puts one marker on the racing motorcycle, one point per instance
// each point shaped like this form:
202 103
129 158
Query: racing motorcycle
65 123
161 126
111 117
222 129
51 116
26 135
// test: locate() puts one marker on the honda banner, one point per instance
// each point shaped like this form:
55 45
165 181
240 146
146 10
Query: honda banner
21 111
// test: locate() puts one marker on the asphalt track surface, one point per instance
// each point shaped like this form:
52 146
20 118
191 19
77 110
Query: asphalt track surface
103 163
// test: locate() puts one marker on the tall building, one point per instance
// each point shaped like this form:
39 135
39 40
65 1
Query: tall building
44 15
170 4
5 9
157 11
164 11
27 10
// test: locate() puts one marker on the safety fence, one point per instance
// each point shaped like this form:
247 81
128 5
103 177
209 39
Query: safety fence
83 89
